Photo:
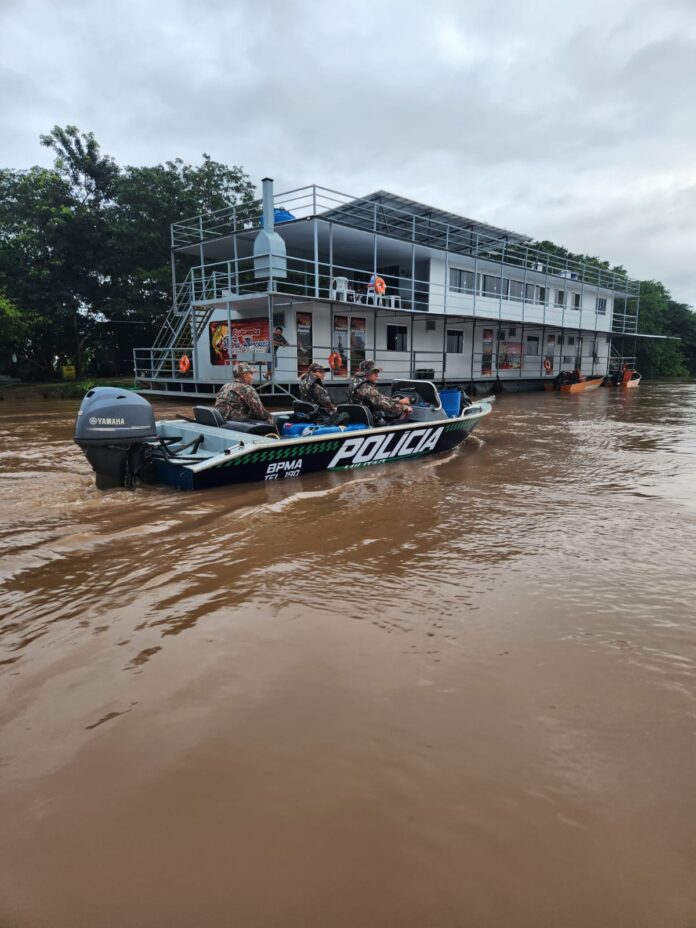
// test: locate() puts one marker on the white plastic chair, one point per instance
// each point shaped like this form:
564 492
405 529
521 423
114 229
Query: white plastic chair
339 289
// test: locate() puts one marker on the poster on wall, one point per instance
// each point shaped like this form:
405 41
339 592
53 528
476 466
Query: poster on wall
338 361
358 331
303 322
510 356
487 352
249 336
219 343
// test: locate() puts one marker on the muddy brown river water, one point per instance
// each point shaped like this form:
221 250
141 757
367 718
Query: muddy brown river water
455 692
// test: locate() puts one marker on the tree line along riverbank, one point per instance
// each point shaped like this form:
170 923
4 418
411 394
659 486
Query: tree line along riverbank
85 270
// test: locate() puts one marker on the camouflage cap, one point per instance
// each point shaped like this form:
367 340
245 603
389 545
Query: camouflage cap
242 368
313 368
369 367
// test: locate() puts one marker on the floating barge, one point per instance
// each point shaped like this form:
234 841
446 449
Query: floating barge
315 275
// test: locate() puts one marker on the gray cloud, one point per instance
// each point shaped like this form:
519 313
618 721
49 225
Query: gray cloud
569 123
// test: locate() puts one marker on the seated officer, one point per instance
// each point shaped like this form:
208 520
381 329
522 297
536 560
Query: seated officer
363 390
312 389
239 400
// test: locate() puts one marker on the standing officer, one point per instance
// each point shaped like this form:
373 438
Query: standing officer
363 390
239 400
312 389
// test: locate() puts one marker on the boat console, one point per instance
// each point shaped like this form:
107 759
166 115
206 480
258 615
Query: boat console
429 404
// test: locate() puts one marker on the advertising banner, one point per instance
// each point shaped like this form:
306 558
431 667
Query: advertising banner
358 331
510 356
338 361
303 322
249 336
487 352
219 343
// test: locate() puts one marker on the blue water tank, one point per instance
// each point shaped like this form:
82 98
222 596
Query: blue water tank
451 402
280 214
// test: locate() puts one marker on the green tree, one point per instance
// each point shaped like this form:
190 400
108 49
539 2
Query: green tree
658 357
35 212
16 332
147 201
86 245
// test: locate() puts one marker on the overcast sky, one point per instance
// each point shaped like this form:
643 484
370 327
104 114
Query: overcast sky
563 120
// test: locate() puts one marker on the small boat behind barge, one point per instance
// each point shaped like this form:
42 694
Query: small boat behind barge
124 444
629 383
625 379
574 382
591 383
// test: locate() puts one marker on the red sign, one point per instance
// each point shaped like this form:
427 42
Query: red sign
248 336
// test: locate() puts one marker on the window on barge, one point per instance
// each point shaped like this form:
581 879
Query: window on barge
461 281
397 338
455 342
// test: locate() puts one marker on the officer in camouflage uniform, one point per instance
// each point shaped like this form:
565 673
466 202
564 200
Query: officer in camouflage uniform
363 390
239 400
312 389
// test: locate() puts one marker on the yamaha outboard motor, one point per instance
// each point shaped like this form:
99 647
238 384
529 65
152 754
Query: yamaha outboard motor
112 426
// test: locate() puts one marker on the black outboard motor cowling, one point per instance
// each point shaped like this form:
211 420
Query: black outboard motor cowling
111 428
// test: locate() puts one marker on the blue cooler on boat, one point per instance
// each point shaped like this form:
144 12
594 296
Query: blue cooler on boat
328 429
296 430
451 402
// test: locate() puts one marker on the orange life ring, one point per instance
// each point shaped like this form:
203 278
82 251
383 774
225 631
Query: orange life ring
335 361
184 364
548 365
380 286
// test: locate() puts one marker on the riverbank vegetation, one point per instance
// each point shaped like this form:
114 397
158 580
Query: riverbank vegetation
58 390
85 272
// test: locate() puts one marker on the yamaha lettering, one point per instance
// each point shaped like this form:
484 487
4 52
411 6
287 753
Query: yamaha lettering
375 448
95 420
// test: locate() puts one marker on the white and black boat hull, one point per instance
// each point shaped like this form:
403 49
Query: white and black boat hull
125 446
280 460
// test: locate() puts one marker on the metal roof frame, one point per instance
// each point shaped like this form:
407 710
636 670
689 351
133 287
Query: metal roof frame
401 217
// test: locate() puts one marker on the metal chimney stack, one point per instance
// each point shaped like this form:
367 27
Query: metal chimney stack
270 258
268 218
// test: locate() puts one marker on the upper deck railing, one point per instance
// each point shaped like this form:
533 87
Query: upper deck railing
371 214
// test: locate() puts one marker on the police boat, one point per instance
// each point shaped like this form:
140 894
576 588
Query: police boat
125 446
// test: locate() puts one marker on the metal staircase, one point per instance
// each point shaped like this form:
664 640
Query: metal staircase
180 330
619 361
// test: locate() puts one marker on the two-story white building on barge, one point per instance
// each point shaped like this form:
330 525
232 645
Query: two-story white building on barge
320 276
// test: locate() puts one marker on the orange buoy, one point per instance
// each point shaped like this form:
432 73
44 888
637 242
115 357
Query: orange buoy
184 364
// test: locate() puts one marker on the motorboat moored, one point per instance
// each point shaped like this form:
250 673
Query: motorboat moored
574 382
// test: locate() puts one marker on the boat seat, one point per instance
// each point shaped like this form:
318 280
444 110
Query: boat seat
308 413
307 409
209 415
357 415
253 427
